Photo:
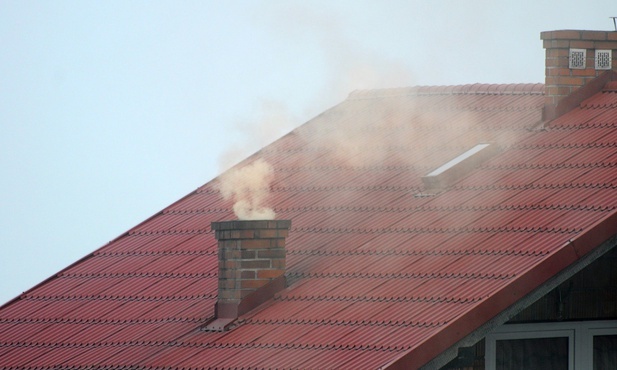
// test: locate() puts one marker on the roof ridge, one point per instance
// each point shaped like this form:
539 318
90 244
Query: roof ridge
467 89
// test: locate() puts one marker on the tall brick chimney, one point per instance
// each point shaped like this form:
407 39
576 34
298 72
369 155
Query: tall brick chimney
576 59
251 257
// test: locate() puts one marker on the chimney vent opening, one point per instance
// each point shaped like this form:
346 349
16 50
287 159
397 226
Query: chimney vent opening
578 63
577 58
604 59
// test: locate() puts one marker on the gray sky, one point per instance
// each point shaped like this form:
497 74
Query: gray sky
112 110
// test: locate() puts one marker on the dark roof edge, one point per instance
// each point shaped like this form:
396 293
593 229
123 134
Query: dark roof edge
469 89
93 253
506 315
576 253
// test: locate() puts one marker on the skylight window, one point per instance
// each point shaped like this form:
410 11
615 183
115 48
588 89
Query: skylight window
446 174
458 159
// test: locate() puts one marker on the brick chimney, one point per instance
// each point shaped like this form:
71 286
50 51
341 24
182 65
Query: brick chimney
573 60
251 257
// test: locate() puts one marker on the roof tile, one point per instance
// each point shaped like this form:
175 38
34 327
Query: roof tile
377 267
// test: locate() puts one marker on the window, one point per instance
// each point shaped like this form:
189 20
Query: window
599 345
557 346
532 353
468 154
604 351
448 173
530 346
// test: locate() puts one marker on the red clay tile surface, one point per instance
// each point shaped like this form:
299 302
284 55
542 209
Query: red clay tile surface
376 271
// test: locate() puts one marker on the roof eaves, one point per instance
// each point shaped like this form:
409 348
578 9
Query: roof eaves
507 314
577 252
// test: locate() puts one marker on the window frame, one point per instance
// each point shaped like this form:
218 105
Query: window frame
580 338
585 344
527 331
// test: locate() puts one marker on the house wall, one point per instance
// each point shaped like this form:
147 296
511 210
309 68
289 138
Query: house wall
590 294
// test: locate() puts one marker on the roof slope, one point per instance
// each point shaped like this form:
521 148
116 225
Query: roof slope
377 273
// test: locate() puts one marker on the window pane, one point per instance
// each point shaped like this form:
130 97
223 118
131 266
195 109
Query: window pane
533 353
605 352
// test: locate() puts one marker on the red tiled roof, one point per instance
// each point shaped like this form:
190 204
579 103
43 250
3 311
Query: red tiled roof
377 274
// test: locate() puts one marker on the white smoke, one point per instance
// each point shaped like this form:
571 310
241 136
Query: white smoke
270 120
348 67
249 188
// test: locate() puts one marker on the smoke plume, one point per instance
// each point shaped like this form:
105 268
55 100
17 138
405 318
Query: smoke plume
269 120
348 66
249 187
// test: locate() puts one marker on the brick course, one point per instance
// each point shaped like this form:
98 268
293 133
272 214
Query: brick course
583 44
251 254
594 35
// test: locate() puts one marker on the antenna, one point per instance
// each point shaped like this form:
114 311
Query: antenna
614 22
